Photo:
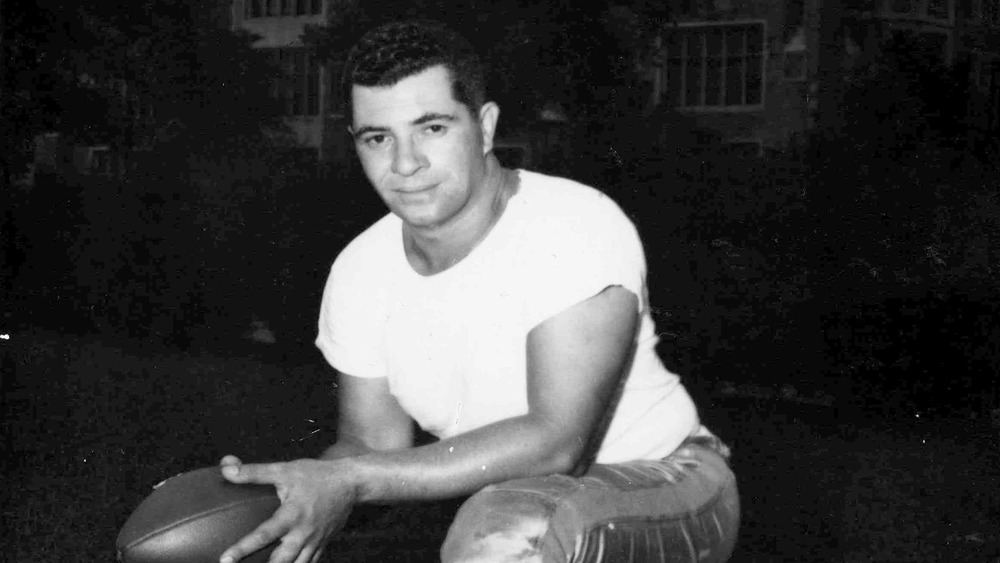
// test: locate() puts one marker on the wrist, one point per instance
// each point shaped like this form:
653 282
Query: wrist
350 476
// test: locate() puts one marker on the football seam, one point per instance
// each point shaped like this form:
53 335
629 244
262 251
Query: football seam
183 521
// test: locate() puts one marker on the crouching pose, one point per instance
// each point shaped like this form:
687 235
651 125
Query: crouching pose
505 312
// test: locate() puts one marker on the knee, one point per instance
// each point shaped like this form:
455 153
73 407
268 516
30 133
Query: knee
505 523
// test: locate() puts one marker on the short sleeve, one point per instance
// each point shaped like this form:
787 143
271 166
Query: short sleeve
579 253
351 320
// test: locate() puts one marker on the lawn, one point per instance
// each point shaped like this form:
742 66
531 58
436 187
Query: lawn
91 424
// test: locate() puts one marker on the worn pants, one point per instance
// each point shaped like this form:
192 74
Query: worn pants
682 508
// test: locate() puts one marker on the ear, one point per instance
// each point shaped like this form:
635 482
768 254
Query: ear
488 116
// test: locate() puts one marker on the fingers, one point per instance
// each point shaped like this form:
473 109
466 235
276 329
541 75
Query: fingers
292 550
265 534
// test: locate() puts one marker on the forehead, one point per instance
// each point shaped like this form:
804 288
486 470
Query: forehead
429 91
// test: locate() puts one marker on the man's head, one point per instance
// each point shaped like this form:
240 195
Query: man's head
395 51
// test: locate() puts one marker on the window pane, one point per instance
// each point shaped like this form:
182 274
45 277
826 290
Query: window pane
753 83
333 91
674 44
301 7
693 71
713 82
672 89
901 6
754 39
692 83
312 91
937 9
317 7
714 39
734 81
734 41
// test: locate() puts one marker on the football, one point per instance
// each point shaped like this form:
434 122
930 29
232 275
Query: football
193 518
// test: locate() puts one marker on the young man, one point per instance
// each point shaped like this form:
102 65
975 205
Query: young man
505 312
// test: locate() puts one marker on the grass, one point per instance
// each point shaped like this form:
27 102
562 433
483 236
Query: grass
91 424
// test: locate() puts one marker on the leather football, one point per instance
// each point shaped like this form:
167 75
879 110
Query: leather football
193 518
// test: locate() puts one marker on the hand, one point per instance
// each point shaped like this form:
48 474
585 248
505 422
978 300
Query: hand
314 505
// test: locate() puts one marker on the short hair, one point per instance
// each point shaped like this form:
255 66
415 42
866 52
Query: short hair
394 51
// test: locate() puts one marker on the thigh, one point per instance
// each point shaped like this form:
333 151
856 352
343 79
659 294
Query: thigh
681 508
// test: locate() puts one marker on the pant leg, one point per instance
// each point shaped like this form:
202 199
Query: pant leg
682 508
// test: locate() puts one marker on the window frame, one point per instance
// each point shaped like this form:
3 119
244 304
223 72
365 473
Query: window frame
725 61
920 10
260 9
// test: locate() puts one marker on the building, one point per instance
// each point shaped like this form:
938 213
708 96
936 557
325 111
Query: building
758 71
306 84
309 88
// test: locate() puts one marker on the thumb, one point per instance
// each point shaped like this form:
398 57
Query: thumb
249 473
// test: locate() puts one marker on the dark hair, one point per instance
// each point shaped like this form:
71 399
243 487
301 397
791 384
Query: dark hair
398 50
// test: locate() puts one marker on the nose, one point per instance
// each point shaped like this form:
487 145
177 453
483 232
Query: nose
408 158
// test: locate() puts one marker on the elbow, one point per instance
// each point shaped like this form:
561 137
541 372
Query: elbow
567 458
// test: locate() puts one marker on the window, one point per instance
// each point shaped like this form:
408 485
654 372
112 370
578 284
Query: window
702 8
903 6
281 8
101 161
938 9
925 49
335 103
298 86
714 66
860 5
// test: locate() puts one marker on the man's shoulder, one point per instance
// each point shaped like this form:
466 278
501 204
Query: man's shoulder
558 197
374 246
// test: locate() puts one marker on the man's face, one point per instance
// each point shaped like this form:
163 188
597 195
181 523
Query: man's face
423 151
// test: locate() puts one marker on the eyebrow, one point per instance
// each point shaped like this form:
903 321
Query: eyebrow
425 118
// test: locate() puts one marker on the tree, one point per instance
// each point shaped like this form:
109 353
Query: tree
906 223
185 103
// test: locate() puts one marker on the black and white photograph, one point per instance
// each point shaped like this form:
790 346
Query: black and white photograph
624 281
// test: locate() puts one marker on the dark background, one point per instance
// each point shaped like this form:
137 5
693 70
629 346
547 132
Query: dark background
832 309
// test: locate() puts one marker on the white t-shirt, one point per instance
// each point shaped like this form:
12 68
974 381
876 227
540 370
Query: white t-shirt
453 345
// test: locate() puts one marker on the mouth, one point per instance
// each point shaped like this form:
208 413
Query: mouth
415 189
418 193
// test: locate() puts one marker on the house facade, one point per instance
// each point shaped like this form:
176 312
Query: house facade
305 84
762 73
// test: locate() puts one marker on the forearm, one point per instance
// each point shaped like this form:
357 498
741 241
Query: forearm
343 448
513 448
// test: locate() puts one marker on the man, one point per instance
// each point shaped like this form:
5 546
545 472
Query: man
506 313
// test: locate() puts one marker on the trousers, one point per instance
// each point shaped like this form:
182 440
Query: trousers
682 508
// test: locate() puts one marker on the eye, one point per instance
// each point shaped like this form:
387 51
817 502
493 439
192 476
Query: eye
375 141
435 129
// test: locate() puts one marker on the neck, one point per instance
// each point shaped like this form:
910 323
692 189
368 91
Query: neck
431 251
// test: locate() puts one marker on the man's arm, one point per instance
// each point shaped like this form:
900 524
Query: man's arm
575 360
369 419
